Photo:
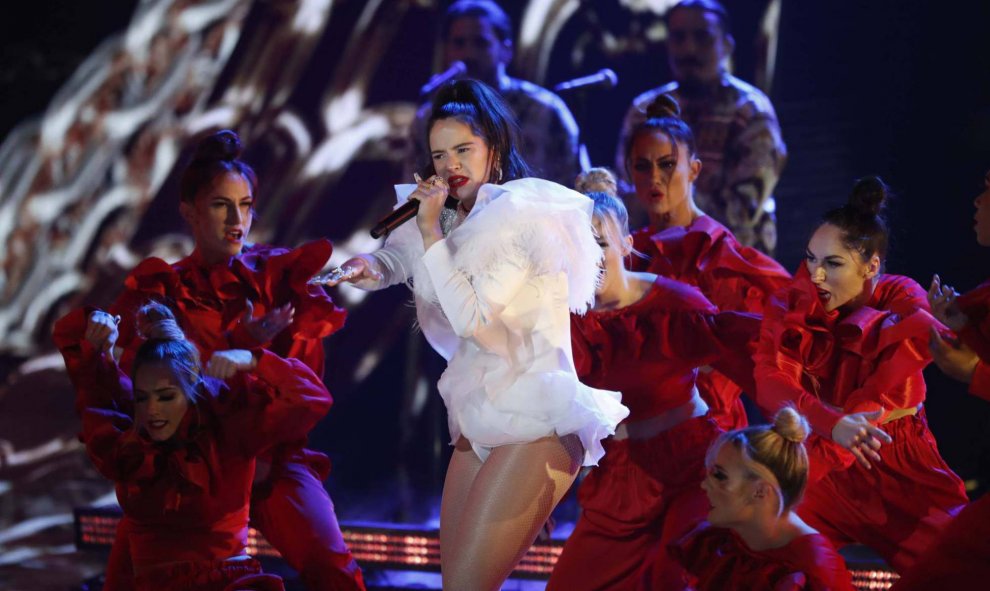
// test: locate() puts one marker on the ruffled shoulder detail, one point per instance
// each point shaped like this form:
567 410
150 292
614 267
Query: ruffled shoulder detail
281 278
544 223
153 276
708 247
801 324
667 323
899 294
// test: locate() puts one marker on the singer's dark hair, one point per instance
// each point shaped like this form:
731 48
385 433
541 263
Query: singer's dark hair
712 6
481 9
216 154
663 115
861 220
476 105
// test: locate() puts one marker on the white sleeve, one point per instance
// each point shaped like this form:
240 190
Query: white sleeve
394 260
473 309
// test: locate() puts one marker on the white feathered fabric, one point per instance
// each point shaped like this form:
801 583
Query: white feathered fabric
494 298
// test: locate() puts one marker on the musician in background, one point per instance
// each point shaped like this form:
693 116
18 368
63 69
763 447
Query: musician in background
479 34
739 140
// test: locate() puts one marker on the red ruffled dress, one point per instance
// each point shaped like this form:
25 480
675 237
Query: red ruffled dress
960 557
290 506
186 500
829 364
717 559
646 493
732 276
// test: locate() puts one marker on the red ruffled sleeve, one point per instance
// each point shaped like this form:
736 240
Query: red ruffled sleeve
791 340
716 559
103 395
210 300
830 366
279 402
706 254
651 349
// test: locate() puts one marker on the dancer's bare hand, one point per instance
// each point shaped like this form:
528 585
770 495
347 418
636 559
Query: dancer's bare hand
942 299
224 364
263 329
956 360
857 433
101 330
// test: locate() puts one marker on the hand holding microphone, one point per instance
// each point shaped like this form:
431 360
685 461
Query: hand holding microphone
431 195
408 210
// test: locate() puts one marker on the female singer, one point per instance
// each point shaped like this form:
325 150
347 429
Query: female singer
645 336
846 343
231 293
753 538
494 283
683 243
181 446
960 557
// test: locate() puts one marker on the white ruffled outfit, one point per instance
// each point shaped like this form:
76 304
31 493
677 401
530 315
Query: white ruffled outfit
494 298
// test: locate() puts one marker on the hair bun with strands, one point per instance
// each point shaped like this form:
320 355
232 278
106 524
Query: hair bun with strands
597 180
223 145
869 196
790 425
662 107
156 322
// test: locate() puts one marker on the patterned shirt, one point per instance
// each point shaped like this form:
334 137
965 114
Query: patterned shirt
549 133
740 146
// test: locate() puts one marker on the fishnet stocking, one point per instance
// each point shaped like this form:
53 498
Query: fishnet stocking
492 511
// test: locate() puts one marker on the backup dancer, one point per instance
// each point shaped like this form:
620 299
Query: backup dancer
846 344
683 243
753 538
960 557
231 293
181 445
646 336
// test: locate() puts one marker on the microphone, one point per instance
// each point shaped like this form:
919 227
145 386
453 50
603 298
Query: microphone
403 214
604 78
399 216
456 69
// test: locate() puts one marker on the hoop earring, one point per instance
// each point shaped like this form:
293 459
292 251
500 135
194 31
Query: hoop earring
498 173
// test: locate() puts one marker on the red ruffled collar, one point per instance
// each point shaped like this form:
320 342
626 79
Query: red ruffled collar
186 457
260 273
685 251
707 544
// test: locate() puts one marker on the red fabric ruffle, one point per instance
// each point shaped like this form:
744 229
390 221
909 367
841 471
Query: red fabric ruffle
210 300
717 558
706 254
651 349
829 363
